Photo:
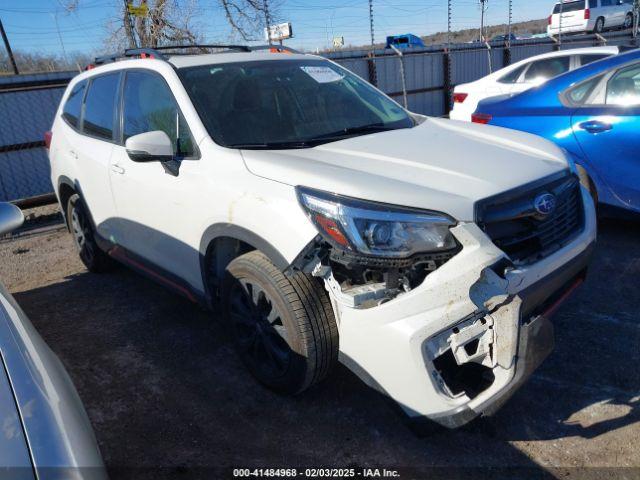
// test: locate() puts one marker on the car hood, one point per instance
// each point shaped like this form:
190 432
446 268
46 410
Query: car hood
439 165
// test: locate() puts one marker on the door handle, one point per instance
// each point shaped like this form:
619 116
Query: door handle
73 154
595 126
117 169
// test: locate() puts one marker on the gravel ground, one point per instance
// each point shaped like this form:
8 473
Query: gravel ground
163 387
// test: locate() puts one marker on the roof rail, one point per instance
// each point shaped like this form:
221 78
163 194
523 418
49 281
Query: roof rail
242 48
157 52
130 52
277 48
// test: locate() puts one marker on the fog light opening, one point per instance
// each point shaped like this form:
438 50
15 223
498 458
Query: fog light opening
470 378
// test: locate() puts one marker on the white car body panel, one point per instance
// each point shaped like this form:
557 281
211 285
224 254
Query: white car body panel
439 165
490 86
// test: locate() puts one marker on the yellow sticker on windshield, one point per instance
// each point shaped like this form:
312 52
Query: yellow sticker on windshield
322 74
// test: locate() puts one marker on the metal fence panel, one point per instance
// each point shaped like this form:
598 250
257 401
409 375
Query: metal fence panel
28 114
24 174
427 103
521 52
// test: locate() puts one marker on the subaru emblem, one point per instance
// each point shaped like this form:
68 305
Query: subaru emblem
545 204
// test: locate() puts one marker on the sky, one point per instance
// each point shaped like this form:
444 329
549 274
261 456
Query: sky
45 26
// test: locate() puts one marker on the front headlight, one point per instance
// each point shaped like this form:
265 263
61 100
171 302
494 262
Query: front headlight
376 229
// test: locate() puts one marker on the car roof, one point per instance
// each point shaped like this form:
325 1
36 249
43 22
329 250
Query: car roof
604 50
186 61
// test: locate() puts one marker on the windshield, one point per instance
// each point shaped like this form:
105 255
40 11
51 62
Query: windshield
287 103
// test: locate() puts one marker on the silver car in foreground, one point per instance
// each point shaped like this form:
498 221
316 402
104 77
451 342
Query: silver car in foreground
44 430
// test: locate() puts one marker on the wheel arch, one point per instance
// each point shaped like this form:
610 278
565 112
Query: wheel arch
66 189
223 242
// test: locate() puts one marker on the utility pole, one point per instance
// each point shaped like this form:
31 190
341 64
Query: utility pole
373 74
128 26
510 21
560 24
373 39
483 8
446 64
267 19
636 17
8 47
506 57
449 24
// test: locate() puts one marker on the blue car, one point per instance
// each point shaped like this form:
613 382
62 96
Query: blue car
594 114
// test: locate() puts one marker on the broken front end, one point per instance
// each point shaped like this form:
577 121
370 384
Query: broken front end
451 333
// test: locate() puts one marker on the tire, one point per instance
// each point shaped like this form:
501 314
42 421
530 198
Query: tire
628 22
283 326
586 181
599 27
80 227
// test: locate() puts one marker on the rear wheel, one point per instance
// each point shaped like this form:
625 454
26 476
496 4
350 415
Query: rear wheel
80 227
599 28
628 21
283 326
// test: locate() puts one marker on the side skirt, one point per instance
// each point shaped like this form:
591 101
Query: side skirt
152 271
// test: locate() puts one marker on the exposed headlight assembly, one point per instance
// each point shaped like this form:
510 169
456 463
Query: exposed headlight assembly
375 229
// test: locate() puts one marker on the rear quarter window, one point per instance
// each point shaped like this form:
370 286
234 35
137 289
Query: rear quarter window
99 110
514 75
587 59
73 105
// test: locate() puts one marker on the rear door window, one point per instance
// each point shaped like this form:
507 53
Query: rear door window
73 105
547 68
100 106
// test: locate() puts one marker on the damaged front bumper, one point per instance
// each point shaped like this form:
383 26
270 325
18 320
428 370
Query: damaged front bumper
462 342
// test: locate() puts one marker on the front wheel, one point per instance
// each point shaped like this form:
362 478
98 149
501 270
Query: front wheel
283 326
628 21
80 227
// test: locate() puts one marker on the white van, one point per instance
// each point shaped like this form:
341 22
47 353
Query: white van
572 16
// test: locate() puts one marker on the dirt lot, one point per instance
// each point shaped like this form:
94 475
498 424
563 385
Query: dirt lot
163 387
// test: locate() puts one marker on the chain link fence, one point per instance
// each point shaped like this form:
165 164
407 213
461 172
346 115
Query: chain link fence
27 106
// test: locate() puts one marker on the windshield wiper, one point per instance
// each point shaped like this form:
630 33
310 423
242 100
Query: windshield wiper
269 146
352 131
312 142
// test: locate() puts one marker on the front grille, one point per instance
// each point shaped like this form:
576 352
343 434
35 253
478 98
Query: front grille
515 226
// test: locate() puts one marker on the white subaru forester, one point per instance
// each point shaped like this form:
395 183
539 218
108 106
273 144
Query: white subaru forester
325 222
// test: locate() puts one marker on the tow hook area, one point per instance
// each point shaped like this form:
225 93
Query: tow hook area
463 357
474 343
